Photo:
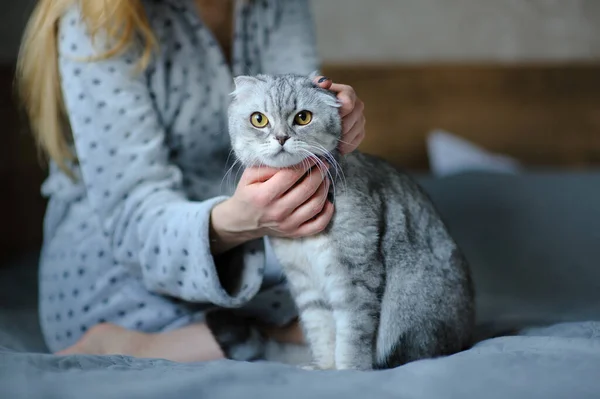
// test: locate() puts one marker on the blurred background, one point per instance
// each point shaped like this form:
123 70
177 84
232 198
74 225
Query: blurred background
515 77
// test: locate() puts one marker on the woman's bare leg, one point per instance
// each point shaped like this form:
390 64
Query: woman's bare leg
193 343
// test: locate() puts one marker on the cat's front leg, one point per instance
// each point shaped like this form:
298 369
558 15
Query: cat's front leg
316 317
317 321
315 313
356 309
355 338
319 329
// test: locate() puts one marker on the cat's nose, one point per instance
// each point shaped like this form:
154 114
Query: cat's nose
282 139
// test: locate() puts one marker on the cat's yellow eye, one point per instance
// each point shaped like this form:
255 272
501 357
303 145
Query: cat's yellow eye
259 120
303 118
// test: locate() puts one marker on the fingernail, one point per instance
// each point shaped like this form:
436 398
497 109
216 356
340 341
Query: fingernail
323 79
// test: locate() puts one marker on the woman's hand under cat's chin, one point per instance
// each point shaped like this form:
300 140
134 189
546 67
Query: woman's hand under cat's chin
351 112
272 202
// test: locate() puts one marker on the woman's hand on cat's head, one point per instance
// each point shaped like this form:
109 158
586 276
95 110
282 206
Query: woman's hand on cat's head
351 111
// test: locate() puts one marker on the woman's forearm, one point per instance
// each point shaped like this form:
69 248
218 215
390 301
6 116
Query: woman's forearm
224 234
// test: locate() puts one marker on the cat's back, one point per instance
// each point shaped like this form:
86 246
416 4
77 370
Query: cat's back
369 181
380 199
374 173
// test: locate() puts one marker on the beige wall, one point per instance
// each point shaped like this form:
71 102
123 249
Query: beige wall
424 30
451 30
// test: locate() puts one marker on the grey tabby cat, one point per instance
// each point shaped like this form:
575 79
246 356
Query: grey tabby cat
385 284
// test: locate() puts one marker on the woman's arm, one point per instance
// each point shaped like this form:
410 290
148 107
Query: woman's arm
135 191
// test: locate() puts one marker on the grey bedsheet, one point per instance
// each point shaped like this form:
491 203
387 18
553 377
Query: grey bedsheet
534 245
561 362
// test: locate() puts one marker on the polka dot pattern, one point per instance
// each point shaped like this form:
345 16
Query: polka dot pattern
152 149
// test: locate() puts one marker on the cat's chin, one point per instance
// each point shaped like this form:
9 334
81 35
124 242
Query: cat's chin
283 160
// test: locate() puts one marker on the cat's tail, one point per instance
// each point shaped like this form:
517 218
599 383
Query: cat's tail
419 320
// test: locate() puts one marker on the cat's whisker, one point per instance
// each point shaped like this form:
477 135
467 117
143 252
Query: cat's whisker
228 174
331 159
257 163
320 164
305 163
238 171
312 156
339 171
229 157
319 161
322 168
343 142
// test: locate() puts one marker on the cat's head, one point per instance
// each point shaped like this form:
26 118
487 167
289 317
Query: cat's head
281 120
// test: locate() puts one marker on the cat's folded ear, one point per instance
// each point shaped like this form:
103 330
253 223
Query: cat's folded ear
334 103
244 81
330 98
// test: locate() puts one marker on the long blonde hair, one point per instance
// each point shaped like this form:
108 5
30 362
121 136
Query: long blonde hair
38 81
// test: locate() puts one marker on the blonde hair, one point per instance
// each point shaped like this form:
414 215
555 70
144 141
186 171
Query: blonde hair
38 81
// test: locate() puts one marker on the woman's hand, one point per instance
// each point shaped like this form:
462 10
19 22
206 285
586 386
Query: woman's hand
288 202
351 111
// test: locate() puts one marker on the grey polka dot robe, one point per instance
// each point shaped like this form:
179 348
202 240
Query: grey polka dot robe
128 241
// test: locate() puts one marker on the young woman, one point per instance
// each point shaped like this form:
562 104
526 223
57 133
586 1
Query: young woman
128 98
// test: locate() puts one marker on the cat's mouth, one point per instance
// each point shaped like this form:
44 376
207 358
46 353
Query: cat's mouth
283 154
283 158
281 151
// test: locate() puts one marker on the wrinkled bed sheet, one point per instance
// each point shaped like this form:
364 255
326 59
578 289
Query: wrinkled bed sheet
534 245
558 362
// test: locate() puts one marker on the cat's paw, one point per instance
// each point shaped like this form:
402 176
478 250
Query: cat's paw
314 367
355 367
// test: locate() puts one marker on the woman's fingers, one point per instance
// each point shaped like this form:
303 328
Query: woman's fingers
308 209
317 224
345 94
353 137
347 97
323 82
282 180
353 118
253 175
303 190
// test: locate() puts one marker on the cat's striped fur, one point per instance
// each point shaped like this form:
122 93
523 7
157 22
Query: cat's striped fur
385 284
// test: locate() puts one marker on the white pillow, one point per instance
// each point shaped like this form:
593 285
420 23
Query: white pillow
450 154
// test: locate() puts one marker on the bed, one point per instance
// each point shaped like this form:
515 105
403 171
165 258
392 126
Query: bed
533 242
